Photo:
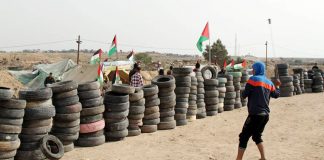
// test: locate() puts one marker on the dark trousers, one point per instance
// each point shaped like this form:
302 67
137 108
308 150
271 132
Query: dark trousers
253 126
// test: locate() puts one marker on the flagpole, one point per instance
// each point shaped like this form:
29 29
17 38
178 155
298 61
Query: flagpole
209 52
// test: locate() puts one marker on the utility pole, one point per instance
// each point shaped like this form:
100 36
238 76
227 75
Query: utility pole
266 44
78 42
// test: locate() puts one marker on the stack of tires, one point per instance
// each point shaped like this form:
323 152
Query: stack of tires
192 110
136 112
230 94
11 119
317 82
66 124
182 91
222 90
92 123
201 106
166 85
308 85
152 112
283 69
37 122
116 112
300 72
211 96
245 77
237 86
296 83
287 86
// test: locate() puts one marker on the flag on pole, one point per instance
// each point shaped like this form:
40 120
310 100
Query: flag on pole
204 37
130 56
116 78
96 57
100 74
113 47
232 63
225 64
244 63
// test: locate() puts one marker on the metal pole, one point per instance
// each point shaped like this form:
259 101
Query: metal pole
78 42
235 51
209 53
266 44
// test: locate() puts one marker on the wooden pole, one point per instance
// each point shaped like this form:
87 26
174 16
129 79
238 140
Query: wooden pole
266 44
78 42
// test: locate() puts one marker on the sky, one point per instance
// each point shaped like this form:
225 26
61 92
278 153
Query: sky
167 26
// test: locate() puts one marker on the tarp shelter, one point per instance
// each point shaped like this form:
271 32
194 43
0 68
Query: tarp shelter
36 78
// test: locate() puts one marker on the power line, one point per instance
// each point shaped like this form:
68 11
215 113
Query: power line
35 44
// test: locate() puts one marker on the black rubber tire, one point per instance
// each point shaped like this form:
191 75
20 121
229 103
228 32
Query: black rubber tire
66 101
123 88
212 113
63 86
8 155
75 108
89 94
182 90
31 138
116 115
192 112
211 69
182 100
155 115
6 94
10 129
65 130
221 89
68 147
136 116
65 94
151 122
12 113
132 133
13 104
50 141
67 117
182 105
29 146
39 113
151 110
30 155
167 99
166 91
230 95
182 70
38 123
140 102
67 137
182 122
210 94
113 97
117 107
150 90
230 88
148 128
92 134
152 97
36 95
282 66
152 103
90 141
183 79
117 126
229 101
163 81
182 96
136 96
136 109
36 130
9 145
90 119
92 102
92 85
92 111
211 101
211 82
8 137
67 124
201 91
116 134
180 110
167 125
228 107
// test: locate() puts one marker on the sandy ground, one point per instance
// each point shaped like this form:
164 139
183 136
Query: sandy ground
295 131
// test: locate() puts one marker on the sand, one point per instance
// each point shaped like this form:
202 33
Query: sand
295 131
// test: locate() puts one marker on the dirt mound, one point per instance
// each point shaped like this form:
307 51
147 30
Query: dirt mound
9 81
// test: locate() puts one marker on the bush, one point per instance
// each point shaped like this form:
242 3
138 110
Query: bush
143 57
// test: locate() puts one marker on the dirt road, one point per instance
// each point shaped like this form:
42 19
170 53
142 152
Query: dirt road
295 131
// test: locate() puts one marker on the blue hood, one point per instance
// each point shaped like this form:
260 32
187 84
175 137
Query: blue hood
259 68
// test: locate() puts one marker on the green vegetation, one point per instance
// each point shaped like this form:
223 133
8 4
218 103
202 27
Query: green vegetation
218 53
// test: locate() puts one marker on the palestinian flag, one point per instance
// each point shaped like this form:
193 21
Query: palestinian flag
96 57
116 77
225 64
130 56
232 63
113 47
204 37
100 74
244 63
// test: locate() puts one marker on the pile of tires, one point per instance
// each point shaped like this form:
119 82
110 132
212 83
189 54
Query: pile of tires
66 124
286 87
308 85
11 119
152 112
166 85
182 91
192 109
221 90
283 69
116 112
237 87
136 112
296 83
300 72
245 77
230 94
201 106
317 82
211 96
37 122
92 123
